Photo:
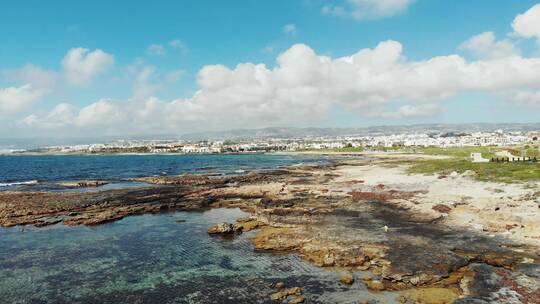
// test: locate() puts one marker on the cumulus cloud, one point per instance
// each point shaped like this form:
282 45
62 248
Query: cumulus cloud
290 29
368 9
33 75
81 66
304 85
485 45
527 25
60 116
143 86
15 99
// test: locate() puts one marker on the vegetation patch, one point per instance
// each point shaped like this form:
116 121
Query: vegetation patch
500 172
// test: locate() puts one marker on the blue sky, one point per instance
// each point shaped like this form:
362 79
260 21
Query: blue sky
188 36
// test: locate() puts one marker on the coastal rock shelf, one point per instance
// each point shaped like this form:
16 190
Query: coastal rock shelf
405 238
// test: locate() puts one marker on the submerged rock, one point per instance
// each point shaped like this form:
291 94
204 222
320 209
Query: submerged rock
286 292
297 299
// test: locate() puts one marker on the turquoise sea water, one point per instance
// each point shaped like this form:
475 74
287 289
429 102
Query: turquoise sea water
163 258
154 259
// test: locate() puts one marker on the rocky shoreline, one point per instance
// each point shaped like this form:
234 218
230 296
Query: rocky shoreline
347 216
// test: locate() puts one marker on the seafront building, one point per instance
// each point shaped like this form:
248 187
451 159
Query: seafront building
405 140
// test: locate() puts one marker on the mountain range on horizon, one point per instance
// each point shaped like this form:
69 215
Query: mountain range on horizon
292 132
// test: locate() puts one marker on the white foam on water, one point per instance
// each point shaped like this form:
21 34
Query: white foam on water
31 182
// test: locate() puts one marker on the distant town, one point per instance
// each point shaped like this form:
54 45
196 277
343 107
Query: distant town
350 143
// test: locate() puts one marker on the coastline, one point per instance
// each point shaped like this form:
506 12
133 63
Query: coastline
350 215
124 154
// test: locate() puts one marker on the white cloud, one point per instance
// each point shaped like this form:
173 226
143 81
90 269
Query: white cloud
100 113
33 75
60 116
305 85
368 9
15 99
300 90
156 50
290 29
527 25
485 45
144 87
81 66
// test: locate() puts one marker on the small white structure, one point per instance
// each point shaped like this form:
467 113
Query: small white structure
477 158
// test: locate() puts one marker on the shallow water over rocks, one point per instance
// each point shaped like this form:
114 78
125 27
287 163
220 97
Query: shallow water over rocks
154 258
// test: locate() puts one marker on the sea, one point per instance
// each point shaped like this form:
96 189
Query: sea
160 258
31 172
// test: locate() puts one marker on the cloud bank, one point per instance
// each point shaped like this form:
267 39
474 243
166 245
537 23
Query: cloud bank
302 88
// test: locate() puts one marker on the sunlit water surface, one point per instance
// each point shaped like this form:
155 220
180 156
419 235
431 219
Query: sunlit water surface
165 258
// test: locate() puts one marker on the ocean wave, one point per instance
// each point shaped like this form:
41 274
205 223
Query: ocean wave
31 182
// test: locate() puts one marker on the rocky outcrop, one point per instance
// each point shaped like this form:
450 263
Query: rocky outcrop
287 295
248 224
346 278
224 228
84 184
300 210
243 225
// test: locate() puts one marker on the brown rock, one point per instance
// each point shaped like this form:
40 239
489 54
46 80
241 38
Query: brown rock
297 299
276 238
429 296
284 293
442 208
374 285
346 278
223 228
246 226
84 184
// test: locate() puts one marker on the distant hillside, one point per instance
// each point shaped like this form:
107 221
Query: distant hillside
285 132
275 132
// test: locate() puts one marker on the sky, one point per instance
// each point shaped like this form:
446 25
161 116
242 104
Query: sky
109 68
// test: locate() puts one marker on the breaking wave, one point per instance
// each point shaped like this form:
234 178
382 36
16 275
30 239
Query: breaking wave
31 182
